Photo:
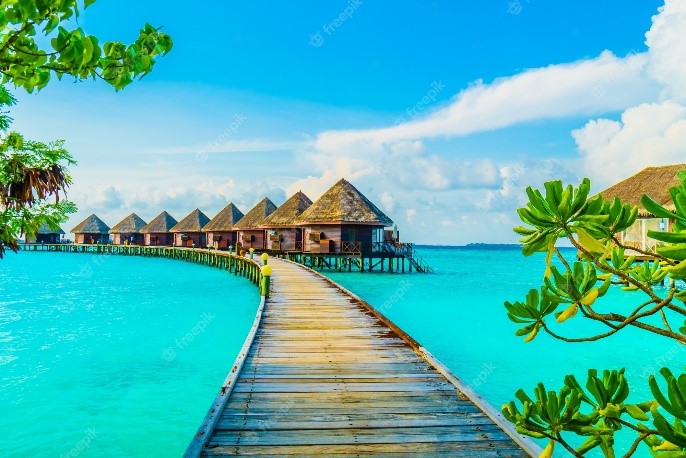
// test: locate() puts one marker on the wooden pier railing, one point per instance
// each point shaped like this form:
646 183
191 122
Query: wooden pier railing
324 373
221 259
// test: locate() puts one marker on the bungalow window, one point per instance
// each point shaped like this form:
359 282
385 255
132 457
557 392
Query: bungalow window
637 234
377 235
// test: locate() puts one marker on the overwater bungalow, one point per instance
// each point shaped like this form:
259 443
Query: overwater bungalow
158 231
188 232
90 231
343 221
128 231
220 230
250 234
46 235
655 182
282 232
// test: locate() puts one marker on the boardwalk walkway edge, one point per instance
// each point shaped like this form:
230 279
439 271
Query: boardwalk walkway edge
251 270
212 417
527 444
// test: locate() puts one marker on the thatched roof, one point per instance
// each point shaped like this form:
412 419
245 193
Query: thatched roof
160 225
254 217
194 222
225 219
343 203
91 225
132 224
286 214
654 181
45 229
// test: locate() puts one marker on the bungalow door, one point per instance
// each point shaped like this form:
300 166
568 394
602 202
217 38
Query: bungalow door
351 245
352 235
299 239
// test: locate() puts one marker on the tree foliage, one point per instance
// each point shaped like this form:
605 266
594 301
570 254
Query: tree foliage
27 64
30 171
598 409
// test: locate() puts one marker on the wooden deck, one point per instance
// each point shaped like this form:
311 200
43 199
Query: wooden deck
322 373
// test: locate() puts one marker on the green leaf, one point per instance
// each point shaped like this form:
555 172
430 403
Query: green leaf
676 251
589 242
658 210
669 237
636 413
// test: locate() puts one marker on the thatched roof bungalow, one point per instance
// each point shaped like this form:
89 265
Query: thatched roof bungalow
343 220
128 231
655 182
282 230
90 231
158 231
188 232
46 235
220 230
250 234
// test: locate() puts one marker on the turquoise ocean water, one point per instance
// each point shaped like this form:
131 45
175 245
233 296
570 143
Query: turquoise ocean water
118 356
109 356
457 313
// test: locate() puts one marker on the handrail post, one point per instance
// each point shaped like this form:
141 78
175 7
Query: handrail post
266 279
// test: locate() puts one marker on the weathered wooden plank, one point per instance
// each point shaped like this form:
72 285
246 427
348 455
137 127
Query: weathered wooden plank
338 378
326 375
250 422
343 345
451 449
313 387
488 432
431 397
337 366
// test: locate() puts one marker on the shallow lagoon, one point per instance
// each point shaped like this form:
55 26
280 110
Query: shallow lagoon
113 356
112 353
457 313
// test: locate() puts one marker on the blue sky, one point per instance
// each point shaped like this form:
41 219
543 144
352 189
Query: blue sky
441 112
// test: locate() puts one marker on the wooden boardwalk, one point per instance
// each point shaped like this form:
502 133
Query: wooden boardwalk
324 374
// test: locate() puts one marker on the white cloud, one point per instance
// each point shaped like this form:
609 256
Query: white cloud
398 164
255 192
410 214
399 153
552 92
667 42
112 203
314 186
253 145
387 200
105 198
650 133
